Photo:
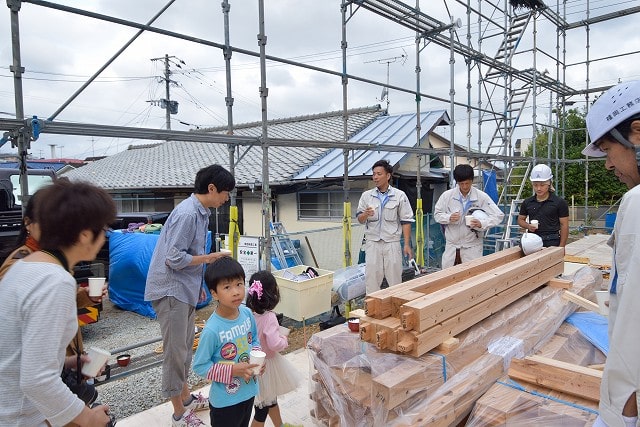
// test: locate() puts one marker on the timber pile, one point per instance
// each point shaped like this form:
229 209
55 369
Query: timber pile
462 326
554 387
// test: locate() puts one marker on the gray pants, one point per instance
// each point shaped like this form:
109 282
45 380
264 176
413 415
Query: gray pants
177 325
384 259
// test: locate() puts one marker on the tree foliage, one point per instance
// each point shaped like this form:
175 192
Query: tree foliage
604 187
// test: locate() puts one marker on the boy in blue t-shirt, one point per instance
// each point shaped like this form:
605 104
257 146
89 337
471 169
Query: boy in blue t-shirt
225 343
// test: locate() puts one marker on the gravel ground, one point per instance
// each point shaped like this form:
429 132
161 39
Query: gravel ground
137 392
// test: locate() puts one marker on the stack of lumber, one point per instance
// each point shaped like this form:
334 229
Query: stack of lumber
410 370
554 387
417 316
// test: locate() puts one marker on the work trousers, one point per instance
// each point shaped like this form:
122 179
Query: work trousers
384 259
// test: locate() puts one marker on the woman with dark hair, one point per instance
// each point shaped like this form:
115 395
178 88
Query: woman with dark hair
38 308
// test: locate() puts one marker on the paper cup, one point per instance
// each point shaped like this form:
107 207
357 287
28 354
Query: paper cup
534 223
257 358
284 331
602 297
98 358
468 219
95 286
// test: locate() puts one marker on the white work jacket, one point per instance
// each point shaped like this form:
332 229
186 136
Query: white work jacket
457 233
622 371
386 226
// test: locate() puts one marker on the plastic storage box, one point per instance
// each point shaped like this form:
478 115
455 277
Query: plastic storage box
300 300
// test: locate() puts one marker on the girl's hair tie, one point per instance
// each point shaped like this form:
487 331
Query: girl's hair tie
256 288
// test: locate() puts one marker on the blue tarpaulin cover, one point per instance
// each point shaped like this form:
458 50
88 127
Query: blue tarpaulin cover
490 184
129 258
594 328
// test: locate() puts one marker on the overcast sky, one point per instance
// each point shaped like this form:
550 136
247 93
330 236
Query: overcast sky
61 50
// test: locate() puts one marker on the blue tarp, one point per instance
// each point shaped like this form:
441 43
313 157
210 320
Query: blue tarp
129 258
594 328
490 184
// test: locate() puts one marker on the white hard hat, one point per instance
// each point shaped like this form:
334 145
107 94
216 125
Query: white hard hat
616 105
478 214
541 172
530 243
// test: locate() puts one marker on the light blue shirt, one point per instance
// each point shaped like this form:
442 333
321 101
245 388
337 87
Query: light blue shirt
227 341
183 235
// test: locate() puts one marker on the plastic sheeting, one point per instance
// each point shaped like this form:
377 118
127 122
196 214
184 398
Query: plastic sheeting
594 327
129 258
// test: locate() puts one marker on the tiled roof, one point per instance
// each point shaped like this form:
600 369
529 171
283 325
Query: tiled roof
174 164
399 130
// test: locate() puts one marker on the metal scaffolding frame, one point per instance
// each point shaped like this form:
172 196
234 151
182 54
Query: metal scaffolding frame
495 73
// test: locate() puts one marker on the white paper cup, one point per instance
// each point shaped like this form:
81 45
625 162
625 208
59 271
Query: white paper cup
98 358
95 286
256 357
284 331
602 297
534 223
468 219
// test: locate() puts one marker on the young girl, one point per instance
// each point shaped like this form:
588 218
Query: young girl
280 375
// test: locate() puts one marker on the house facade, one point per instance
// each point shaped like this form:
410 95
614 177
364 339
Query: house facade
306 182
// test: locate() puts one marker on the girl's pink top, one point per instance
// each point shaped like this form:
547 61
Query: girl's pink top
269 333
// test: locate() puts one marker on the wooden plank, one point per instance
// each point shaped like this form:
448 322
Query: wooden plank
427 340
378 304
560 376
582 302
577 259
401 298
399 383
422 313
560 283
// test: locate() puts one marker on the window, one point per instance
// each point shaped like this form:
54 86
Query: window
325 205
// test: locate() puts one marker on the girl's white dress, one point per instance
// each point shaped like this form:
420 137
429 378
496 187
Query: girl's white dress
280 376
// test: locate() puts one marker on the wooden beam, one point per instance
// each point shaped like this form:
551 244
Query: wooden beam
429 310
577 259
427 340
559 283
582 302
560 376
379 304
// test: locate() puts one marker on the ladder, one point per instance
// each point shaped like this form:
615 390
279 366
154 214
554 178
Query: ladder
512 194
282 246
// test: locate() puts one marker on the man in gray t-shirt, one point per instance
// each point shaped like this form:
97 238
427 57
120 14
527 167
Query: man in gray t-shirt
174 281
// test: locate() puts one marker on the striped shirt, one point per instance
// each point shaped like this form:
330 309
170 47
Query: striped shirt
38 318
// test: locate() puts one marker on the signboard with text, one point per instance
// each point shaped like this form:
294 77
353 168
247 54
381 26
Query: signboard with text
249 255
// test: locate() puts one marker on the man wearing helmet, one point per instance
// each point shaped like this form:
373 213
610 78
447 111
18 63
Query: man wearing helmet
614 129
551 211
464 242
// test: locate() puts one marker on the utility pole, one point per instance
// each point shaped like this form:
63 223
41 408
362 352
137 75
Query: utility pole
171 107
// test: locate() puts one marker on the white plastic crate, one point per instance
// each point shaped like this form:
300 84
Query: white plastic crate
305 299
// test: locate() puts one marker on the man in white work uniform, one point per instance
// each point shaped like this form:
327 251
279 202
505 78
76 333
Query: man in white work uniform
464 242
387 215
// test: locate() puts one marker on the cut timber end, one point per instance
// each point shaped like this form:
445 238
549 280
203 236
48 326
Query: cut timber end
405 345
448 345
381 339
560 283
370 307
366 331
408 320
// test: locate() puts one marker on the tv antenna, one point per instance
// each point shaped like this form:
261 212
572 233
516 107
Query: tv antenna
385 90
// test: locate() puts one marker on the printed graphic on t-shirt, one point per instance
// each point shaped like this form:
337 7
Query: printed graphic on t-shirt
234 386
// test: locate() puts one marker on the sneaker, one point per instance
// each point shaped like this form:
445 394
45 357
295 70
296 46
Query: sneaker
188 419
199 402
